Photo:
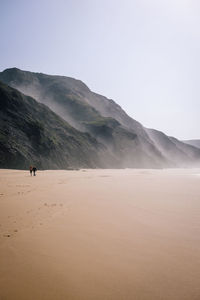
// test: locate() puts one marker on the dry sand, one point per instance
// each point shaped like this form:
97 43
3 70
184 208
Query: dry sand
100 234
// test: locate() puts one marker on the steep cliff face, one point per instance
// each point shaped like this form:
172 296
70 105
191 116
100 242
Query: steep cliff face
195 143
69 98
30 133
177 152
89 112
124 142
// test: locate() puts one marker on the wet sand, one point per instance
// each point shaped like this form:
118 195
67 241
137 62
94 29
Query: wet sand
100 234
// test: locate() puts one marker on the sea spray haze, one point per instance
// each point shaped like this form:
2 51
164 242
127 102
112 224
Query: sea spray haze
31 133
120 140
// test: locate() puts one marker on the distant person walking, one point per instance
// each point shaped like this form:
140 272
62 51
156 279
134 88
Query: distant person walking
34 170
31 170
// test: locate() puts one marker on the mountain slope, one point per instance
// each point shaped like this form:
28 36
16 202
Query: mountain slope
73 101
70 98
177 152
31 133
125 141
195 143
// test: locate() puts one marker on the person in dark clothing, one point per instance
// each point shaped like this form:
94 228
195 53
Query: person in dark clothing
31 170
34 170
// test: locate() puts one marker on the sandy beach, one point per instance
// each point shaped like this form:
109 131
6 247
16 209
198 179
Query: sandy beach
100 234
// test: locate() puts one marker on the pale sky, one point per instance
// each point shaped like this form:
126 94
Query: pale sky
144 54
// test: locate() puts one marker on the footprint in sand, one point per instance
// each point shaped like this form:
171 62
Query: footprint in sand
6 235
20 193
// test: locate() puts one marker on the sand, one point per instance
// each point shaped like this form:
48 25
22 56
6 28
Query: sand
100 234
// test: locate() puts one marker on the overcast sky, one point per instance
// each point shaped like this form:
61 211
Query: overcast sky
144 54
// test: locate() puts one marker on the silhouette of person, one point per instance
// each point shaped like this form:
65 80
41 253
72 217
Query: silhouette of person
31 170
34 170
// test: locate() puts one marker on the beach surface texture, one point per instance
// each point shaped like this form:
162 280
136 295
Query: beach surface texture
100 235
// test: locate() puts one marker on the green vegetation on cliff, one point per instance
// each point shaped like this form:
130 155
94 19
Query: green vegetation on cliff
30 133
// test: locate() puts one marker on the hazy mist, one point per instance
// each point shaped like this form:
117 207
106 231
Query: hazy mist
143 54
